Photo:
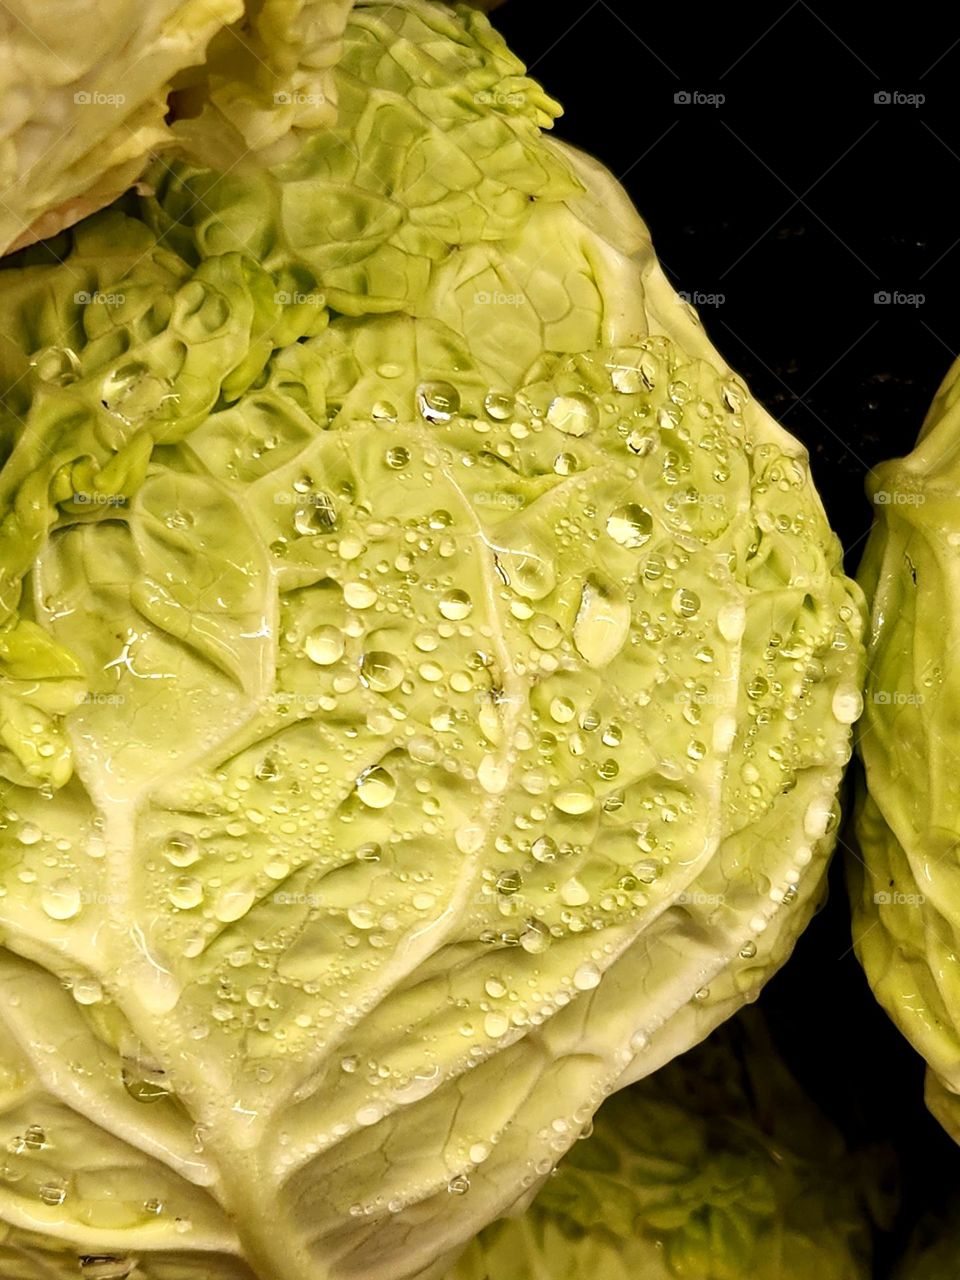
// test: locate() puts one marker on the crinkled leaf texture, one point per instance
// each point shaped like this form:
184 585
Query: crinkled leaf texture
83 94
427 677
906 892
715 1168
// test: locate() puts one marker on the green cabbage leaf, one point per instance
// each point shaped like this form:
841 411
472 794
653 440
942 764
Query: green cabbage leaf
906 915
426 676
715 1168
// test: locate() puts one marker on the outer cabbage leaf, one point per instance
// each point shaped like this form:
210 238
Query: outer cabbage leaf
84 90
423 714
905 889
715 1168
934 1246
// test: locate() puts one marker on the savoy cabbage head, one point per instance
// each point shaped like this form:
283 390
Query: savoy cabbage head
426 677
906 918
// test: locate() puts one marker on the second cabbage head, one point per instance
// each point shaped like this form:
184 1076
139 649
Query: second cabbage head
426 673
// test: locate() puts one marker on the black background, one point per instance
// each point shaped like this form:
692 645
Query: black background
798 198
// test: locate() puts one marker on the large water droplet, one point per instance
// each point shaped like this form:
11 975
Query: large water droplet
317 516
586 977
324 646
181 849
186 892
602 623
630 525
382 672
359 595
573 415
376 787
61 900
234 903
437 402
575 800
455 605
498 405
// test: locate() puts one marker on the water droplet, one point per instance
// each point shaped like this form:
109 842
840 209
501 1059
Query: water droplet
509 882
630 525
106 1266
562 710
397 457
545 632
317 516
359 595
535 937
376 787
186 892
565 464
602 623
437 402
59 365
455 605
361 915
87 991
61 900
757 689
640 443
626 379
29 833
685 604
54 1192
545 849
493 775
384 411
496 1025
267 770
587 977
234 903
143 1089
382 672
324 646
575 800
181 849
748 950
574 415
847 704
573 893
35 1138
498 405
